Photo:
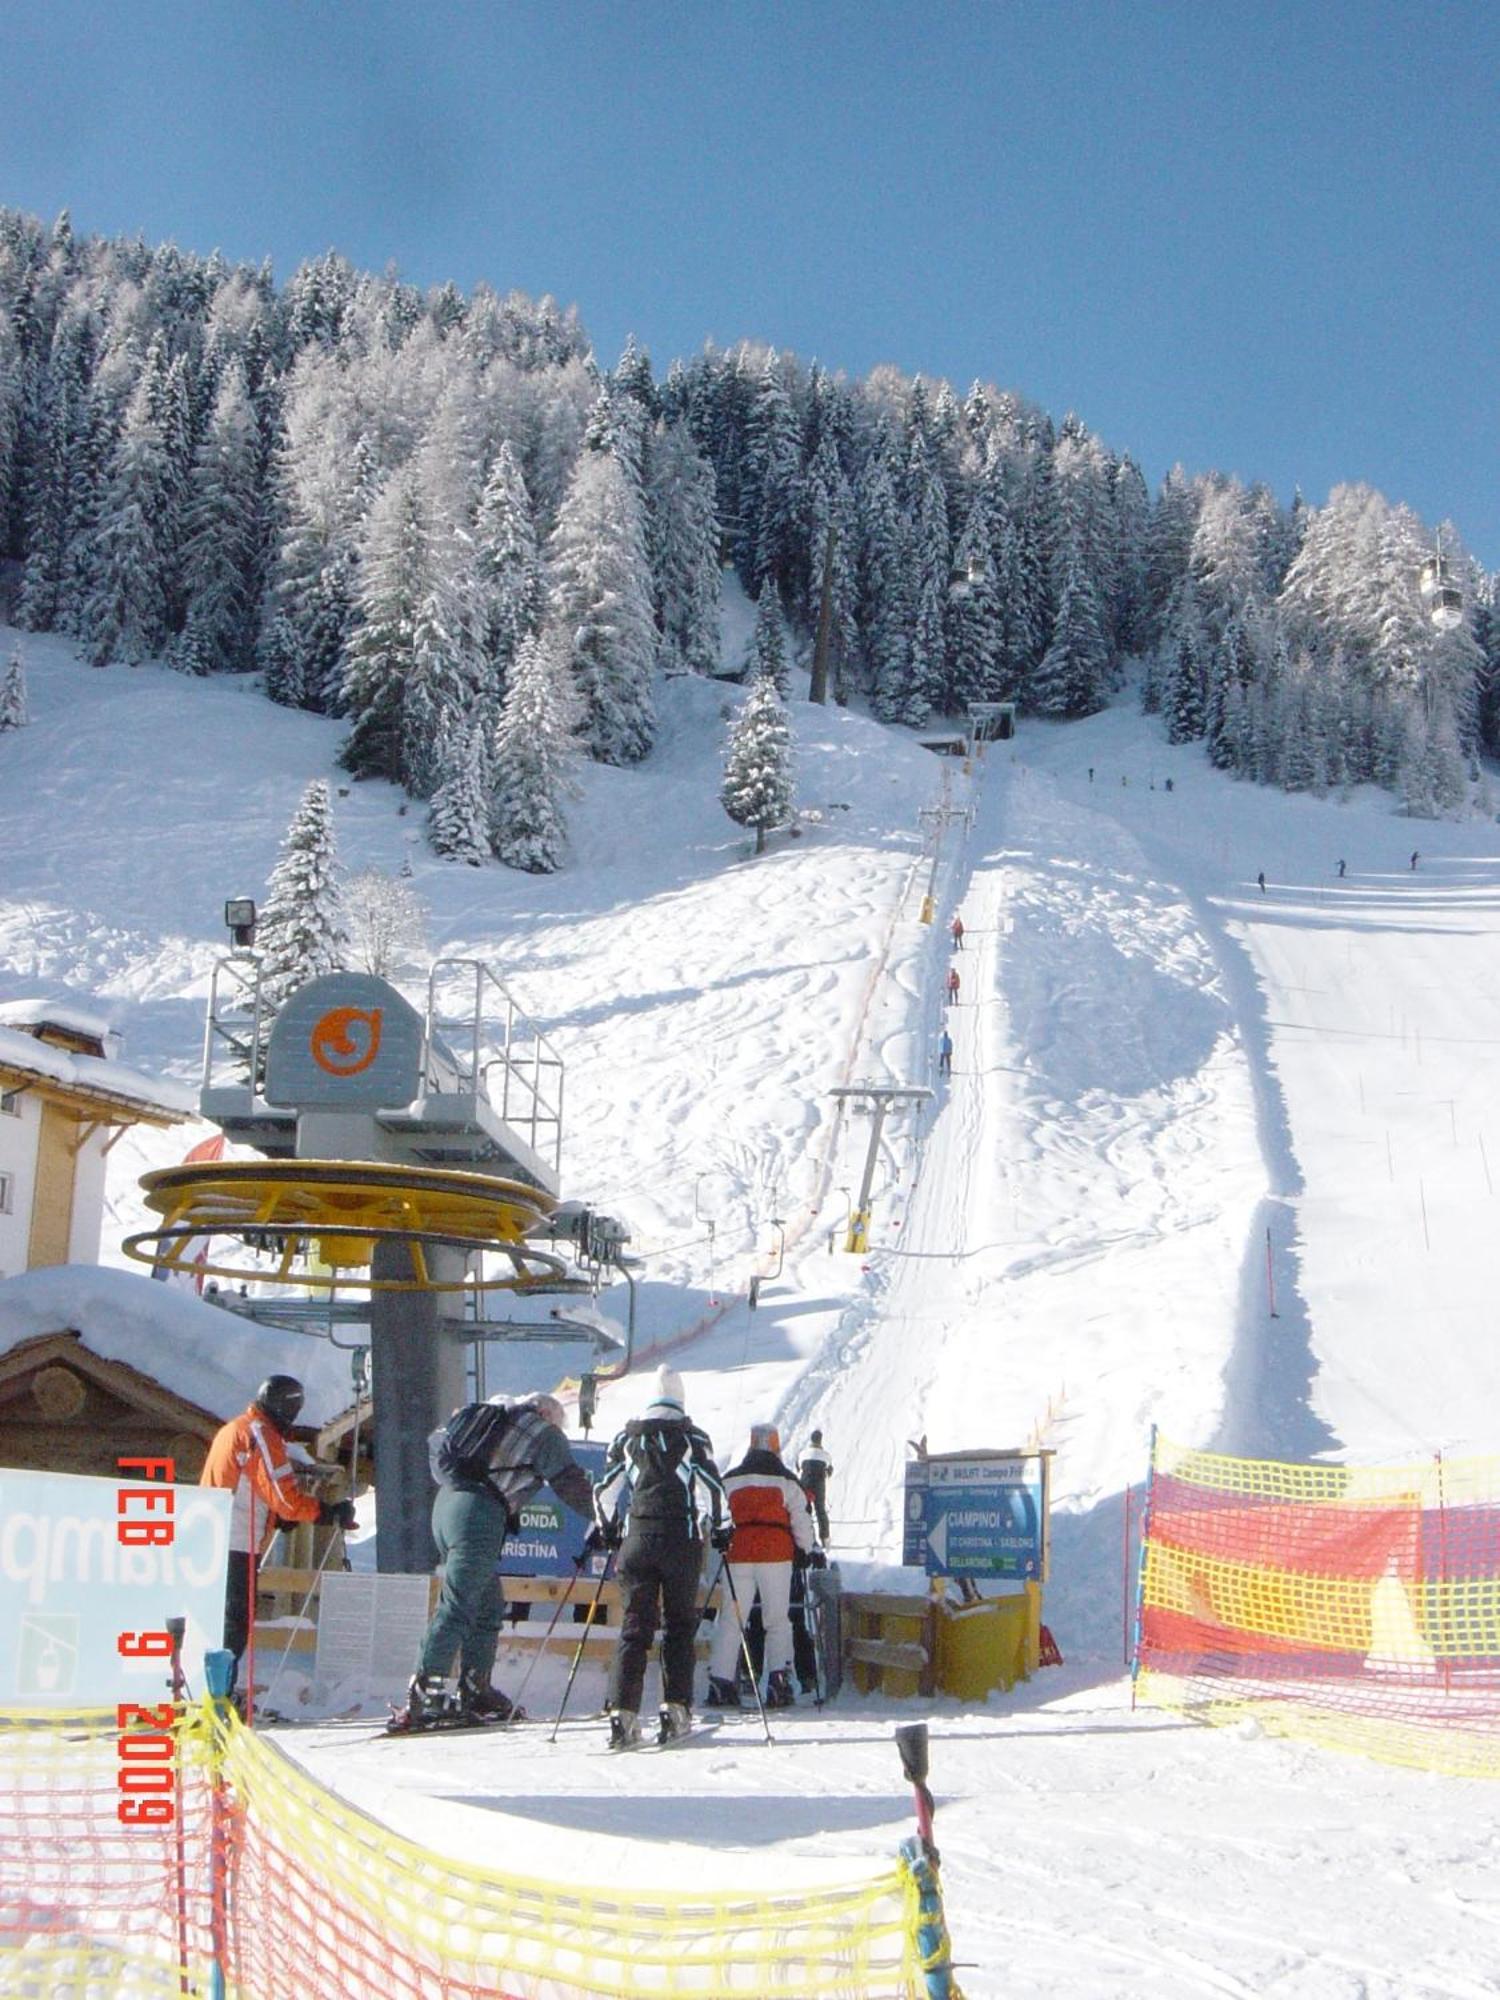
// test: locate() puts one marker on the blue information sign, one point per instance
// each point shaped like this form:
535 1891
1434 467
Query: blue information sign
978 1514
548 1536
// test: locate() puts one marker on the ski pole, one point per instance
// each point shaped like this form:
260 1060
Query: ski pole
562 1605
286 1651
609 1563
728 1575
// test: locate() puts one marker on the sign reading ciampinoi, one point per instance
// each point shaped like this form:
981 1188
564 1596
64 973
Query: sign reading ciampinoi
978 1514
78 1574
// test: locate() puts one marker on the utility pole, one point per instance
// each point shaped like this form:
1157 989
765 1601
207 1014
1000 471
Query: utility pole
818 684
882 1096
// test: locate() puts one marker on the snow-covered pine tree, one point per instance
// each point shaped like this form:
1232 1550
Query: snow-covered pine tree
599 589
126 616
301 933
323 475
757 787
380 655
927 557
448 671
222 542
684 547
533 758
882 591
460 808
55 474
975 633
13 712
1071 678
507 569
768 643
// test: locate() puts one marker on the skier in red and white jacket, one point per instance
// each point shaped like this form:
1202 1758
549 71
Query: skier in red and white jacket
772 1526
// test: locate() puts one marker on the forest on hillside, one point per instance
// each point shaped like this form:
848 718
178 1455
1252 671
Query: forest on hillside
439 518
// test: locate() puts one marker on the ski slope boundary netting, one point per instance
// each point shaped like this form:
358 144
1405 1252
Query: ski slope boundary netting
1355 1605
266 1884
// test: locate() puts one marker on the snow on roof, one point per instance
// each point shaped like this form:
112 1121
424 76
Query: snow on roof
47 1013
200 1352
98 1074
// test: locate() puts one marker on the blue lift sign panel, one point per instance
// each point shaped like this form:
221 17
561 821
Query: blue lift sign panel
548 1535
978 1514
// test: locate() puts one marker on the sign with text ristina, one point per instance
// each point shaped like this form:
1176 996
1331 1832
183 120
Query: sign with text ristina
978 1514
91 1573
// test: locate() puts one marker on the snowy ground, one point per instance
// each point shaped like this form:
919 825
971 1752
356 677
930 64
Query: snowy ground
1156 1065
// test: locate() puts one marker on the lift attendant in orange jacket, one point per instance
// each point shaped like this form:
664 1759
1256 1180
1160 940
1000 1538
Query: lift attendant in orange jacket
248 1459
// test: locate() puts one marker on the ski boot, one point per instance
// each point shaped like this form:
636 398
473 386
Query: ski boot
624 1730
676 1719
779 1690
480 1702
722 1694
430 1700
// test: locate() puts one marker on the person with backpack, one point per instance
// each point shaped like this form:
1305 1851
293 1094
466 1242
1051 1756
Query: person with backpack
488 1460
247 1457
772 1525
659 1481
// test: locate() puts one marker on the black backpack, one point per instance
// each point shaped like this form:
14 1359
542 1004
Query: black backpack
463 1448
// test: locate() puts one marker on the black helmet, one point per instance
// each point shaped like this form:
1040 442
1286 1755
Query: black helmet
817 1437
280 1396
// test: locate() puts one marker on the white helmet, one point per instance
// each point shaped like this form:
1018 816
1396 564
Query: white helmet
669 1388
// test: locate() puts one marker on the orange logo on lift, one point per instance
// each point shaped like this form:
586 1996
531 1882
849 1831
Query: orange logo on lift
346 1040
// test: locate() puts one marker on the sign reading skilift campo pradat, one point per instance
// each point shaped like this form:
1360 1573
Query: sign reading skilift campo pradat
978 1514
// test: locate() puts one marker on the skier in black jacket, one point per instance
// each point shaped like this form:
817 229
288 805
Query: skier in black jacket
659 1476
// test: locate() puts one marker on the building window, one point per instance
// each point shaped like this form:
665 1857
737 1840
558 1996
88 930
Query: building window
10 1103
7 1184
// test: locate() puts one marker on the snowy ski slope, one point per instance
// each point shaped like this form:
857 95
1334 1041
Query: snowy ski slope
1156 1065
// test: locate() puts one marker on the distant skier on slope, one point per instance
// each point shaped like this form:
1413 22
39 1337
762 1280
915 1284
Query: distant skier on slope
954 982
772 1524
958 933
488 1460
659 1477
945 1055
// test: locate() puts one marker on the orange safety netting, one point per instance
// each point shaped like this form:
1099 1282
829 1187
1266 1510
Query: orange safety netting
1358 1605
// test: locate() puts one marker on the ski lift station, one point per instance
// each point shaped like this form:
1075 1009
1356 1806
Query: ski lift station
409 1179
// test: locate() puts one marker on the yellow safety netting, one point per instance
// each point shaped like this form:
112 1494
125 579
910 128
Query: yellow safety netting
291 1891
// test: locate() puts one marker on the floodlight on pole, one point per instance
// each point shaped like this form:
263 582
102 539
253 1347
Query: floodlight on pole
239 921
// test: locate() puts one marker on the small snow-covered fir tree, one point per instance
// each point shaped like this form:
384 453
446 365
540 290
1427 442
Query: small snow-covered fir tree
13 696
757 787
456 822
301 930
533 758
768 646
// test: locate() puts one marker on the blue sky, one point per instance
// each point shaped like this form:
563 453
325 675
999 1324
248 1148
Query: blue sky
1263 238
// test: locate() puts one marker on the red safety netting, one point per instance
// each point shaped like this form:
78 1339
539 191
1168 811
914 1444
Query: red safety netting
1360 1605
